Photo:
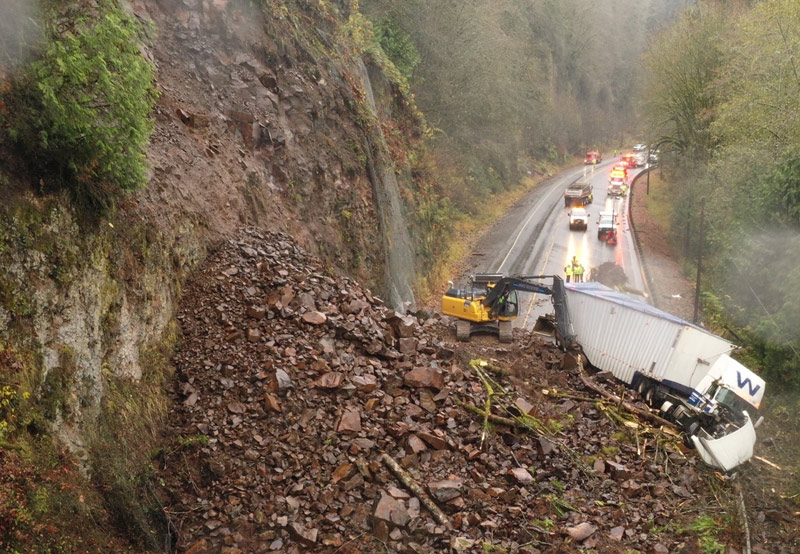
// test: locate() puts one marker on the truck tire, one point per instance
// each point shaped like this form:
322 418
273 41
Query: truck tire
462 330
679 412
506 331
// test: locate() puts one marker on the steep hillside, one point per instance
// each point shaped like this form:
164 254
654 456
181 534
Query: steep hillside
266 116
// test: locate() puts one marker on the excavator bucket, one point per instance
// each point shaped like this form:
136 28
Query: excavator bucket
545 326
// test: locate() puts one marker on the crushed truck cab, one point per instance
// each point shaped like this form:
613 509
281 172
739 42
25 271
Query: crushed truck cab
677 367
728 450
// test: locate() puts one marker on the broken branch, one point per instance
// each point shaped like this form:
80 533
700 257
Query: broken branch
614 398
571 396
770 464
501 420
412 485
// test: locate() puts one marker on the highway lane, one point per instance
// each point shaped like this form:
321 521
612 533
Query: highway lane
534 238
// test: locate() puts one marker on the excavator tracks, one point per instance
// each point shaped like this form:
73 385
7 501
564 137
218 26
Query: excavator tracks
463 330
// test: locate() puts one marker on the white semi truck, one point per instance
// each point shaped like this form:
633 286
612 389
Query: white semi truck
677 367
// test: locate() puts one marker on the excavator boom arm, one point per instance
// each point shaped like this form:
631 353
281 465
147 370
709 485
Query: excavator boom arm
501 289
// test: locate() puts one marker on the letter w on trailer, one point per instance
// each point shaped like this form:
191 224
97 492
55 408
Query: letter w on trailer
677 367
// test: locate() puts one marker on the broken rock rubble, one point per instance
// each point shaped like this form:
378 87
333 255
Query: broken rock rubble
296 381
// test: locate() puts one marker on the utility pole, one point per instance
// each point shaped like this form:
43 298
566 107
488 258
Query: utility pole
699 261
648 170
687 243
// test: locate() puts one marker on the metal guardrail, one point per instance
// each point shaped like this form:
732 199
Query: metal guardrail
648 282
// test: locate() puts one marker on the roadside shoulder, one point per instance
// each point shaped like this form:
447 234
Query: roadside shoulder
671 290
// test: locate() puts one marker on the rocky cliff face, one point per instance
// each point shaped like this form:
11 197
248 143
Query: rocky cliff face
258 123
262 121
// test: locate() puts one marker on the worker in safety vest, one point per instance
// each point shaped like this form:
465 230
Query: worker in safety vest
578 270
568 271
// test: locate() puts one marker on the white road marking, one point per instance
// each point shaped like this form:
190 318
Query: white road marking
524 226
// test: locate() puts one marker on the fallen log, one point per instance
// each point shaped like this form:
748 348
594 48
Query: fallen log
412 486
617 400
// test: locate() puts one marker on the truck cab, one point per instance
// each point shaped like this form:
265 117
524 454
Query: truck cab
732 394
731 385
592 157
578 219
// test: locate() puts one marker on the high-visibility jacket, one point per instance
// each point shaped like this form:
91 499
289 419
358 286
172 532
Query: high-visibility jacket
568 269
578 269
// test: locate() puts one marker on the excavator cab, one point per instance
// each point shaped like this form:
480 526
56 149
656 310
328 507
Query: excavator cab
467 303
489 303
473 315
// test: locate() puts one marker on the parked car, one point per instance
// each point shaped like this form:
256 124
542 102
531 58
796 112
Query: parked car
639 147
616 188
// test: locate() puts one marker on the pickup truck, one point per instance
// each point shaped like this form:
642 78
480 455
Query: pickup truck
607 226
578 219
579 193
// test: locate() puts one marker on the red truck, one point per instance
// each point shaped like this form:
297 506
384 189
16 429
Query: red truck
592 157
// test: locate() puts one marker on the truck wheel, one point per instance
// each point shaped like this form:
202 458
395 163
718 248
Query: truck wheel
462 330
506 329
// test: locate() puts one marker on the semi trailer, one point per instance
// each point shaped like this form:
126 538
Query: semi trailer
679 368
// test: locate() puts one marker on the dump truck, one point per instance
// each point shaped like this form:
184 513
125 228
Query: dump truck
677 367
578 193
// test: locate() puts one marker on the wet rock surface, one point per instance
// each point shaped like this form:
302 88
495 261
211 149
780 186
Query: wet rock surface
291 382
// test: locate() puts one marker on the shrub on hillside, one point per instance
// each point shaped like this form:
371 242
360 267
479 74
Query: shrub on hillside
81 111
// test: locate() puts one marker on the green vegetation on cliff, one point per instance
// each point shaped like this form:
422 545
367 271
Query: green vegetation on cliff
80 113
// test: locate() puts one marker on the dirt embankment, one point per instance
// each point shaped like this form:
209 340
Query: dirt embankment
671 290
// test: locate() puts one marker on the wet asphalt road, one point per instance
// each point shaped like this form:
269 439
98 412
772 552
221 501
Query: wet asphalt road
533 238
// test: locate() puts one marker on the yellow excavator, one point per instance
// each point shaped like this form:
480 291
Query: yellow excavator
489 302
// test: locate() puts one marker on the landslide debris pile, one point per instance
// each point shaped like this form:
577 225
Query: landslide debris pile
609 274
292 383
